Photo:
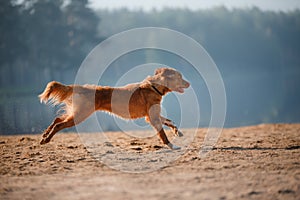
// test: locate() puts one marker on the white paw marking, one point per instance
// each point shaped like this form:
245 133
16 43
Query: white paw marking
173 146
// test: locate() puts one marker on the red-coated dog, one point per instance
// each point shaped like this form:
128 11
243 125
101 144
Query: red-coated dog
132 101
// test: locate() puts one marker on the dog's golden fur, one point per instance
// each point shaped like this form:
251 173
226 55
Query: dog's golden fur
132 101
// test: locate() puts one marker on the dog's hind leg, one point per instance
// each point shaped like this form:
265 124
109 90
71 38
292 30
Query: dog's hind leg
77 117
170 124
69 122
55 121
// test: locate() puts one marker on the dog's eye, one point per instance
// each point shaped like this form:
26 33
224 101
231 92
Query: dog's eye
179 76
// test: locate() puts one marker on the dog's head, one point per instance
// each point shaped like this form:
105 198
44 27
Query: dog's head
171 79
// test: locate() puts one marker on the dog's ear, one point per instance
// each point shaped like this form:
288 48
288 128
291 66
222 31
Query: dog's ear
165 72
158 71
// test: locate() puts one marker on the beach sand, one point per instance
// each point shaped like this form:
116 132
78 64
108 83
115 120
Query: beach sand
255 162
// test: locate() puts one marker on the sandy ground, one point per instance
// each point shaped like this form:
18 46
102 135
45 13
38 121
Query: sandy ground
257 162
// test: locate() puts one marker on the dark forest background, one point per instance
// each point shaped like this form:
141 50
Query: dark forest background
257 53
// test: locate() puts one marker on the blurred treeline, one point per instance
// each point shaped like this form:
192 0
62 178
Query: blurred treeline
39 41
258 55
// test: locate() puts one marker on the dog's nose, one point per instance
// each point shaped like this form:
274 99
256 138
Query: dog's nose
186 84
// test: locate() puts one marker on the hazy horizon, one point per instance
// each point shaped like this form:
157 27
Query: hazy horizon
148 5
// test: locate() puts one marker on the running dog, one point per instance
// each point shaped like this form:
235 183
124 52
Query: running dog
132 101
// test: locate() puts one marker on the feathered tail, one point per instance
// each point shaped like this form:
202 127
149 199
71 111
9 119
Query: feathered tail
56 93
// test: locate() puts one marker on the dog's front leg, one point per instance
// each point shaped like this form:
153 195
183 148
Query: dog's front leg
162 135
156 122
170 124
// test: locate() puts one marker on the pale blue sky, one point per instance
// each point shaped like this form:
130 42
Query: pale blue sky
275 5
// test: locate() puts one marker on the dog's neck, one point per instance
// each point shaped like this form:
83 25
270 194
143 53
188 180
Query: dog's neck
156 90
155 86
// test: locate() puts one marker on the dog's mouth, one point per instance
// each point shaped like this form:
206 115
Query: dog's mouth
180 89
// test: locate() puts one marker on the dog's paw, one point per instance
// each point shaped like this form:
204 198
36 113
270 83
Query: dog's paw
178 133
173 146
44 141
